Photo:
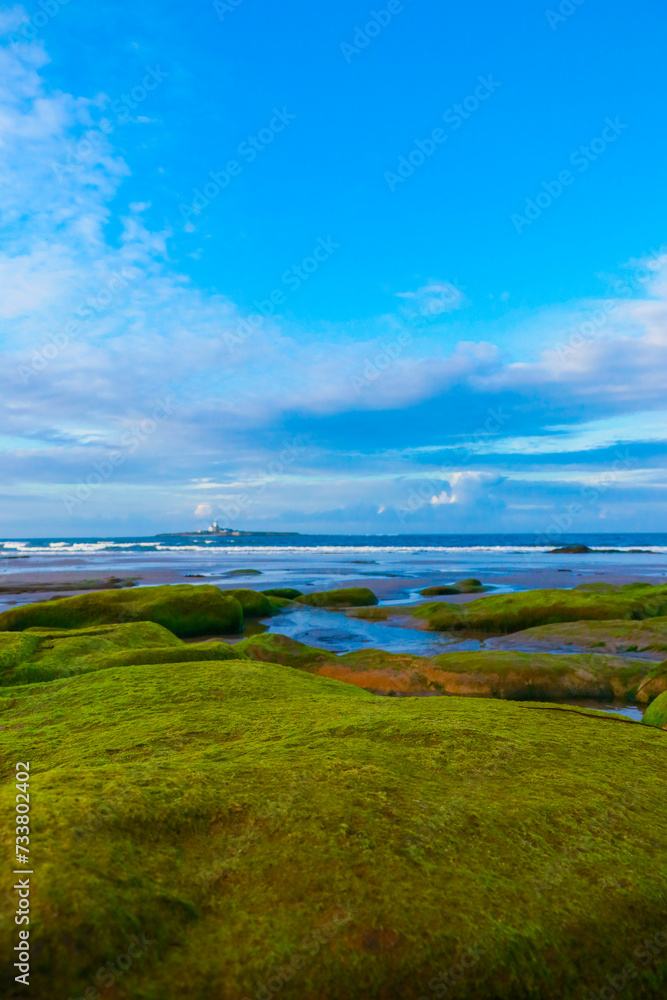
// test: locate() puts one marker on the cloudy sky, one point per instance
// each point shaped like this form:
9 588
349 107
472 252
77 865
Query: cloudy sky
342 269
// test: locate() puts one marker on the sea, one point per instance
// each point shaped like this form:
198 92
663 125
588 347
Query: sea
403 553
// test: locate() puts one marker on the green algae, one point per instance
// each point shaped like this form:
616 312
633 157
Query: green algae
646 636
289 593
656 713
494 674
470 586
185 610
47 654
232 811
272 647
349 597
254 603
502 613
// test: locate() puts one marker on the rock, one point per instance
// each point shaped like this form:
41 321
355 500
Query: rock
656 713
244 813
289 593
184 609
570 550
503 613
352 597
647 638
254 603
462 587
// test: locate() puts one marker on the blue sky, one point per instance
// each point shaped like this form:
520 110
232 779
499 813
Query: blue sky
342 268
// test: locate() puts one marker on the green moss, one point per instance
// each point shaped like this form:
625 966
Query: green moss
244 572
656 713
275 648
230 812
470 586
254 603
544 676
351 597
185 610
45 655
647 636
503 613
289 593
494 674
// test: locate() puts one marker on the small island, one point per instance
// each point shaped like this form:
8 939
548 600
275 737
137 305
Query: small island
216 531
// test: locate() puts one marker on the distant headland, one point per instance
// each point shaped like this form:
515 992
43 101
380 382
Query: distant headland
215 531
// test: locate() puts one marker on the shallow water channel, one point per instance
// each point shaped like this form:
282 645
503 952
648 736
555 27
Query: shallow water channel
334 631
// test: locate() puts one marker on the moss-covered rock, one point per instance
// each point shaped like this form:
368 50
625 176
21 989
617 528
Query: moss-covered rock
254 603
656 713
517 676
46 654
41 655
275 648
647 637
185 610
470 586
350 597
365 847
501 674
503 613
289 593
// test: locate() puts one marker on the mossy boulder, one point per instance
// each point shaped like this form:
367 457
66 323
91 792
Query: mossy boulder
502 674
482 673
502 613
185 610
254 603
646 638
350 597
275 648
470 586
40 655
288 593
656 713
383 842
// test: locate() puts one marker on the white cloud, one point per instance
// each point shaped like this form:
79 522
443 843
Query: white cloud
435 299
467 489
203 510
